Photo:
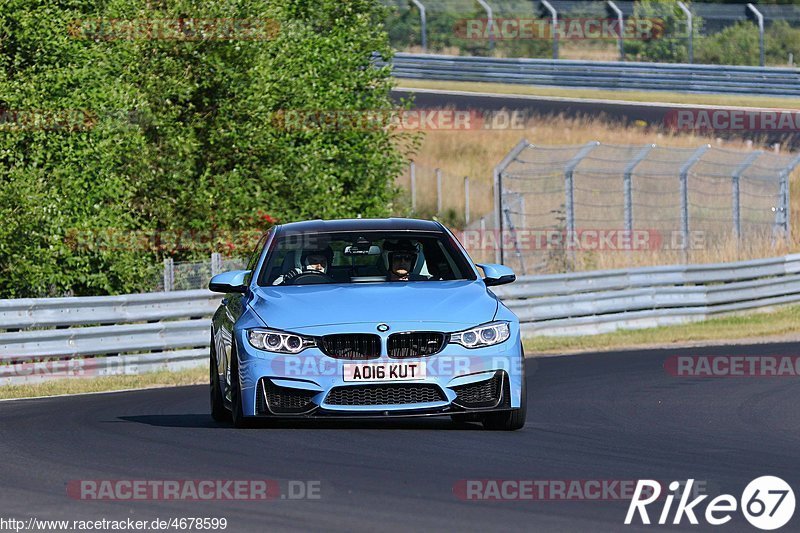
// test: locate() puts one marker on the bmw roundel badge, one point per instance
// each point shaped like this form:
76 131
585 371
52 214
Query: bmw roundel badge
383 327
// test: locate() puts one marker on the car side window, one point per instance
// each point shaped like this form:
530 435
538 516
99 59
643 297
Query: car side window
251 264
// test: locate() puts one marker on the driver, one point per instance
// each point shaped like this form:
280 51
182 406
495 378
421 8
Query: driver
313 261
401 256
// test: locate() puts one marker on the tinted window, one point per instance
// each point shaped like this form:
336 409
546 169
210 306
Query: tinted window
363 257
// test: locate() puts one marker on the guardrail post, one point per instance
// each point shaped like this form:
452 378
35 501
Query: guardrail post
760 19
423 20
466 199
627 184
413 172
690 34
621 21
438 191
736 197
554 27
685 195
169 274
489 22
498 193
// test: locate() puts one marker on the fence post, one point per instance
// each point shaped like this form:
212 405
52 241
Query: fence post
685 195
169 274
466 199
621 21
423 20
784 198
413 171
627 184
513 232
569 188
498 193
736 197
554 19
489 22
216 263
438 191
689 23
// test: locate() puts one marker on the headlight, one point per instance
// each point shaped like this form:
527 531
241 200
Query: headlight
279 341
480 336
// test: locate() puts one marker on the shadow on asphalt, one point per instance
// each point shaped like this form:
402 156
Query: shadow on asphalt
205 421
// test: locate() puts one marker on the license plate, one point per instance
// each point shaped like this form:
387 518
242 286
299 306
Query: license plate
384 371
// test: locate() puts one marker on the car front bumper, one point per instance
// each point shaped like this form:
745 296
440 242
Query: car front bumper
312 384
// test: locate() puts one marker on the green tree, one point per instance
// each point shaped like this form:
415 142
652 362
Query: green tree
181 135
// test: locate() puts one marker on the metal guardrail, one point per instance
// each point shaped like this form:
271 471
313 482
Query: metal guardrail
93 336
601 74
103 335
602 301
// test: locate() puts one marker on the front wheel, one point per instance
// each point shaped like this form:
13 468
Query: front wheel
508 420
514 419
218 411
237 413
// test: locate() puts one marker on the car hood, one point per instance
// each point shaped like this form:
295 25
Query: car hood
459 303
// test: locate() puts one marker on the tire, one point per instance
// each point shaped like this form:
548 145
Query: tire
237 413
218 411
510 420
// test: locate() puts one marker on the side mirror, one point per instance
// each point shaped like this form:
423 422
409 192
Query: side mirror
497 274
228 282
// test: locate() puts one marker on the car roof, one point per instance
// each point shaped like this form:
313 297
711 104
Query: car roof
361 224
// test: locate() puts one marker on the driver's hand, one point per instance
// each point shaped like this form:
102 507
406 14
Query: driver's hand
289 276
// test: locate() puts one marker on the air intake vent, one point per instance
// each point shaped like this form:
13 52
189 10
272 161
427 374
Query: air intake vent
415 344
385 395
351 346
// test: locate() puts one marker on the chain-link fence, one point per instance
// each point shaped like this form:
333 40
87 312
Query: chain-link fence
558 205
186 275
455 200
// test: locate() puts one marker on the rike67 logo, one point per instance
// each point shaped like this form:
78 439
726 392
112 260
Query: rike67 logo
767 503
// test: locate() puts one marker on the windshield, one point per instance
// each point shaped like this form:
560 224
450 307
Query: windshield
363 257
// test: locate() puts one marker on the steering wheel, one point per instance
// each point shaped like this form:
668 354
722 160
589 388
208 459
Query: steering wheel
311 278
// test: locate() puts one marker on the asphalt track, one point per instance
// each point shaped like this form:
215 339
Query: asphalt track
652 114
615 416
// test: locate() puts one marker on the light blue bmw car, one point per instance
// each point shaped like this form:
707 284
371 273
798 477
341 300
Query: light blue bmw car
365 318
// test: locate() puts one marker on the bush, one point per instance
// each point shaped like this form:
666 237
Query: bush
735 45
672 43
181 136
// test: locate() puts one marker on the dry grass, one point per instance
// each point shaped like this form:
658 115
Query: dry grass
84 385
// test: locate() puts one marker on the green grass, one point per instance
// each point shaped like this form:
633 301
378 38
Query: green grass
630 96
782 322
107 383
